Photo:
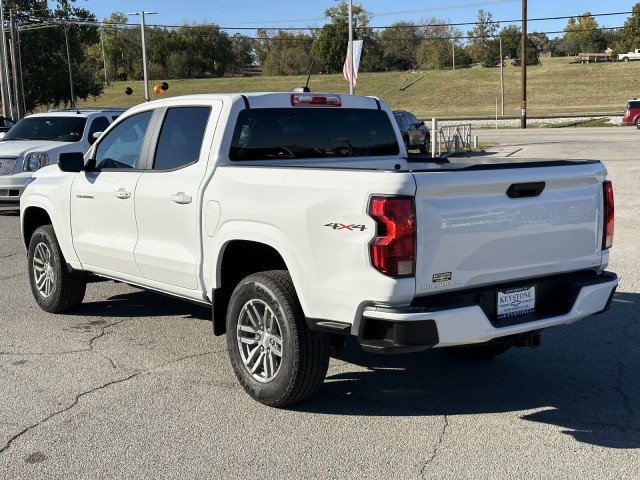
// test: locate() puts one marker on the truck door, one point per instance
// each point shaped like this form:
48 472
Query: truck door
103 222
167 197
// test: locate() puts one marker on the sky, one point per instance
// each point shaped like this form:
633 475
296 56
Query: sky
251 14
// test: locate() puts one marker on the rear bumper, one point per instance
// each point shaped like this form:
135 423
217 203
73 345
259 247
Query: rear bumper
410 329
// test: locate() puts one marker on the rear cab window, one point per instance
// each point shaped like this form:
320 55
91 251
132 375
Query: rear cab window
180 139
286 133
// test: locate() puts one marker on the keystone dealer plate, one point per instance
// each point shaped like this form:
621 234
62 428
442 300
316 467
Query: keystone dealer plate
516 301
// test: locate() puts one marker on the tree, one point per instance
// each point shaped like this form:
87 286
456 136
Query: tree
541 41
510 37
400 43
285 53
44 61
586 34
438 39
122 48
630 35
531 52
480 35
241 49
331 44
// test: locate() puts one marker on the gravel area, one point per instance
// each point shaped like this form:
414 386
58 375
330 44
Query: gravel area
515 122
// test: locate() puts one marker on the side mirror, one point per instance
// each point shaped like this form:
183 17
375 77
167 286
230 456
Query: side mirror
71 162
421 123
94 137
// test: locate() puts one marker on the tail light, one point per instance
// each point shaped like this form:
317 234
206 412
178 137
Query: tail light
315 100
393 249
607 237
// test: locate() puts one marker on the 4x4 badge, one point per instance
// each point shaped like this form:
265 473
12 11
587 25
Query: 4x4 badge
341 226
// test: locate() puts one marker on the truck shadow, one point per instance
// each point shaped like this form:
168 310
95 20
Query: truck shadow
584 379
142 304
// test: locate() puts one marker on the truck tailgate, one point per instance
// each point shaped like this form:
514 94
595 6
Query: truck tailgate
493 223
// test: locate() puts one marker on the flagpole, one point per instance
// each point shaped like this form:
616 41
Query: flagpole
351 67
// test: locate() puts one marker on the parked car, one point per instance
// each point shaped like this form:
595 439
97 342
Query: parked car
415 133
5 124
38 139
632 113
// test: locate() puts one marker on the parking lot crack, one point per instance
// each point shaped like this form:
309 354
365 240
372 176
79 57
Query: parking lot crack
66 409
436 447
97 389
103 333
11 276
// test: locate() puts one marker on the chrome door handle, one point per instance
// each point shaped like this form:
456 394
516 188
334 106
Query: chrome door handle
181 198
122 193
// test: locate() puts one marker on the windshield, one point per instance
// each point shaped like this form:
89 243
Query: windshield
289 133
61 129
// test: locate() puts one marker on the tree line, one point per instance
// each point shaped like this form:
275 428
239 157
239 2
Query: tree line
111 50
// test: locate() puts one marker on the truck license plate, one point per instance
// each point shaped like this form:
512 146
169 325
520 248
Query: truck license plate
516 301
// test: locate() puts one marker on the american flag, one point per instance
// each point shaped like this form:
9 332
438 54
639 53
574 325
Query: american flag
346 69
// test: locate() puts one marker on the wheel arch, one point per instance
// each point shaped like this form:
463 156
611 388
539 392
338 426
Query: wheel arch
239 259
32 218
38 214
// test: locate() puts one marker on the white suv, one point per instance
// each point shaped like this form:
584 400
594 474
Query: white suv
38 139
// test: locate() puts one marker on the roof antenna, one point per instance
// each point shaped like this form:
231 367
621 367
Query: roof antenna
306 88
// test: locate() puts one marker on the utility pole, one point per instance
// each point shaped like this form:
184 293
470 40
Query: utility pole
66 41
453 53
104 57
144 53
5 89
16 74
501 76
523 65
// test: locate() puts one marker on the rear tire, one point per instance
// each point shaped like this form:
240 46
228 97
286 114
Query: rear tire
277 359
482 351
638 122
54 287
424 148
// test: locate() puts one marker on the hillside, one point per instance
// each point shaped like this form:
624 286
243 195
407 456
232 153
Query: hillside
557 87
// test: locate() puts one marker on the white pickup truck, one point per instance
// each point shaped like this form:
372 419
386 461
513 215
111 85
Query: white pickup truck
300 219
625 57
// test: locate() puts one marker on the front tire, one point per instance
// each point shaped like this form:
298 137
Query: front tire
277 359
54 287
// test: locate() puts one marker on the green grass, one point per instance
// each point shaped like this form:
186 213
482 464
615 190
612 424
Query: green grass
557 87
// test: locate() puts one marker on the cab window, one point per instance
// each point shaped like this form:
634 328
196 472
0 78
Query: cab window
121 147
181 136
288 133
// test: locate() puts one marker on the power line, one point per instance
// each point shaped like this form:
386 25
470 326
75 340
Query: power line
55 21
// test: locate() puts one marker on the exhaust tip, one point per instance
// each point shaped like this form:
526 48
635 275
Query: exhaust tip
527 339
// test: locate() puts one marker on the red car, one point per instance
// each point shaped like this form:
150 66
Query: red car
632 113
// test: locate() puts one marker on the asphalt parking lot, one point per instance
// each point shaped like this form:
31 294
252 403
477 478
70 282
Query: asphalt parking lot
134 385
